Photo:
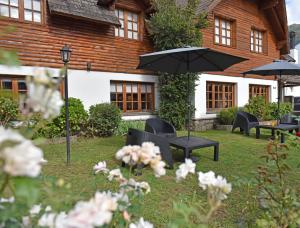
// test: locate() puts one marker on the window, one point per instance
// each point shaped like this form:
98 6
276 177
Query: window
219 95
223 31
16 85
9 8
129 24
30 10
132 96
257 40
259 90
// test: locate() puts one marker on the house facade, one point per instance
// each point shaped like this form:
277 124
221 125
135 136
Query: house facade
106 38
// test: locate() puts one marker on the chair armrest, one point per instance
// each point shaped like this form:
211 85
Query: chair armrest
150 129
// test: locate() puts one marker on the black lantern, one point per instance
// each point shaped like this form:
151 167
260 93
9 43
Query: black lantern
65 54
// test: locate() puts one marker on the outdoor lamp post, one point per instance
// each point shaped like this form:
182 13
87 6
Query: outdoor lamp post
65 53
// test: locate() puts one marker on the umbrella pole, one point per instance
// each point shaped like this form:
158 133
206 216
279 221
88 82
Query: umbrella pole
189 108
279 97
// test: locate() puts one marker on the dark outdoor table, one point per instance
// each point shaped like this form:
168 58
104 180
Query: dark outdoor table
194 143
280 127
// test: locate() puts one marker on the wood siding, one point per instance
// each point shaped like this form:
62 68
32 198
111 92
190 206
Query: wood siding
39 44
246 15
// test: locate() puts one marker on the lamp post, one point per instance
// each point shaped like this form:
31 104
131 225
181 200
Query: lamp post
65 53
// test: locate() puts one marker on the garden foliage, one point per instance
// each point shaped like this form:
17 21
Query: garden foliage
57 127
267 111
104 119
125 125
174 26
226 116
8 110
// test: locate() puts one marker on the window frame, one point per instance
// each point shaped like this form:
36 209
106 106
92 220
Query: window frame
264 91
264 41
213 100
9 10
21 11
232 31
125 20
16 92
124 101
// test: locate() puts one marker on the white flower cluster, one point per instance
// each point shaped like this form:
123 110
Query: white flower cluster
96 212
218 186
43 95
125 185
147 154
20 157
185 169
141 224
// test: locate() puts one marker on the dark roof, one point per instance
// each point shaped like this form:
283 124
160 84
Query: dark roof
87 9
288 58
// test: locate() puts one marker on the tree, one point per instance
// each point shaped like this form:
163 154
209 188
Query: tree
174 26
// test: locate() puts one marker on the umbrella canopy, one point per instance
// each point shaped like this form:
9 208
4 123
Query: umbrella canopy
188 60
278 67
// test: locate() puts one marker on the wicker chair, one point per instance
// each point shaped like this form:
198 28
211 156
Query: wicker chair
160 127
137 137
245 121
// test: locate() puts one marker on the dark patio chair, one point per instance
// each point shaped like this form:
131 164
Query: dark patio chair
137 137
289 119
160 127
245 121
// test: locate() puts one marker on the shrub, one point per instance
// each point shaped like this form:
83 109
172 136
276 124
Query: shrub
125 125
8 110
226 116
104 119
57 127
267 111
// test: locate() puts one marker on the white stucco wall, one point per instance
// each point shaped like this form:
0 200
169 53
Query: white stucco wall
242 91
90 87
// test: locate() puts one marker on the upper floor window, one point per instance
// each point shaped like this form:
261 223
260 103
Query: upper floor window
129 24
27 10
32 10
9 8
257 41
223 32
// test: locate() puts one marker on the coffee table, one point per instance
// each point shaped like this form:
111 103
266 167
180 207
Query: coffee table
280 127
188 145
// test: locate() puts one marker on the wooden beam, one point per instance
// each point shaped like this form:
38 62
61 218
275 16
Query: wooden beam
268 4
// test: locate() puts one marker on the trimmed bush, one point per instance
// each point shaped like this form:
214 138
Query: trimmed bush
226 116
57 127
125 125
104 119
8 110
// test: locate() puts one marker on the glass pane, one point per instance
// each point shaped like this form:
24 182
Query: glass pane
37 5
119 88
120 97
135 27
27 4
130 35
22 85
216 22
135 97
116 31
121 32
135 106
228 34
217 39
128 88
7 84
143 106
135 17
149 88
121 14
143 89
129 106
4 2
130 25
28 15
223 40
228 42
37 17
120 105
14 12
223 32
13 2
223 24
135 35
134 88
113 97
113 87
4 11
117 13
143 97
228 25
217 31
129 16
122 24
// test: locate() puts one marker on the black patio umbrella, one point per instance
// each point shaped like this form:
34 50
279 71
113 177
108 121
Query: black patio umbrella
188 60
279 68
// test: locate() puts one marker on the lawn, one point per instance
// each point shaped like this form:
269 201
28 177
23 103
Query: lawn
239 159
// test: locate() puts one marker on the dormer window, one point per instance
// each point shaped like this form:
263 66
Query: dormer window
223 32
129 24
24 10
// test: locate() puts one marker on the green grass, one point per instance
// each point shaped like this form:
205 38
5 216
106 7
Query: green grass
239 157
